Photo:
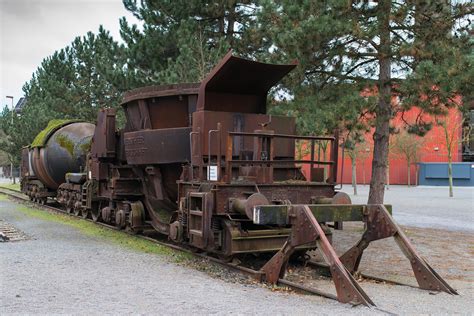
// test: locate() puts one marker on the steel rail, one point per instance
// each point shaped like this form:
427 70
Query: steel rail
20 196
363 275
255 274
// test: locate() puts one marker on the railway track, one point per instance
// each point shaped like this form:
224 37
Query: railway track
255 274
10 233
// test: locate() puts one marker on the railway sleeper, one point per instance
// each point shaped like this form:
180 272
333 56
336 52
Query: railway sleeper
306 228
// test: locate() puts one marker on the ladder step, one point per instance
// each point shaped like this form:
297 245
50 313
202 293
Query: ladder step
195 232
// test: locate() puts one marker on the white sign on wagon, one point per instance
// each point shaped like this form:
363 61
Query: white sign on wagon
212 173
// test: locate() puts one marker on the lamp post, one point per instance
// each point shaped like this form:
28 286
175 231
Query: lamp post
11 156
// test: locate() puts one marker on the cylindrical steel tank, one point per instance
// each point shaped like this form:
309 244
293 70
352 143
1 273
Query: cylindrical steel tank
59 149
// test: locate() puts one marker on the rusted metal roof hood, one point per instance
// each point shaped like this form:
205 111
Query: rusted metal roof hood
238 76
159 91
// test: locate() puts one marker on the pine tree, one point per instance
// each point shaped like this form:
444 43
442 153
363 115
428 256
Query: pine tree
73 83
182 40
358 55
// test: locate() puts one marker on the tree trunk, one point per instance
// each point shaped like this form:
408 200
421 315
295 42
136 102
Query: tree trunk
231 24
354 175
416 174
388 174
383 111
450 174
408 173
221 20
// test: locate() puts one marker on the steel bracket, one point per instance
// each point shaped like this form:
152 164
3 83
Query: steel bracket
306 229
380 225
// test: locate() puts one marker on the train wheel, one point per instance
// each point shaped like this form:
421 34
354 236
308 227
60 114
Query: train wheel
107 215
42 201
120 219
77 211
70 206
96 215
85 213
225 258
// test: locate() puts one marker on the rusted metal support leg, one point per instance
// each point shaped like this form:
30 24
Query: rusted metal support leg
379 225
425 275
306 229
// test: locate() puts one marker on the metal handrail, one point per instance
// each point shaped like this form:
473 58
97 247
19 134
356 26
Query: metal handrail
342 169
316 162
262 134
191 153
295 137
282 136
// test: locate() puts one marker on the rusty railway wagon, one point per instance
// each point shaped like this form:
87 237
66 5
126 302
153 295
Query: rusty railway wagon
207 166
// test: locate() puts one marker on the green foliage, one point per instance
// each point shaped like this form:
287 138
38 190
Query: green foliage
18 132
418 50
326 91
337 44
340 46
3 158
43 136
408 146
320 113
182 40
196 57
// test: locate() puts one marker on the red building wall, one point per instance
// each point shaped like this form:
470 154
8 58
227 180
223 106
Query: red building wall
433 150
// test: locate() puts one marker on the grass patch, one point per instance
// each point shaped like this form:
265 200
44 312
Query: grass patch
3 197
115 237
11 186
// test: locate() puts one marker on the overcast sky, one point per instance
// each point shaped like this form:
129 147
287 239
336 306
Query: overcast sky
31 30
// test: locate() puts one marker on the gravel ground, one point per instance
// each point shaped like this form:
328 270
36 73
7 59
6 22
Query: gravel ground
426 206
450 253
62 271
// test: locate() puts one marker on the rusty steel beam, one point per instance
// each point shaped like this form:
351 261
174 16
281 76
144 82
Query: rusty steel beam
278 214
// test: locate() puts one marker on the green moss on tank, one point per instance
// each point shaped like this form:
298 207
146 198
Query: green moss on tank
86 146
65 143
43 136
